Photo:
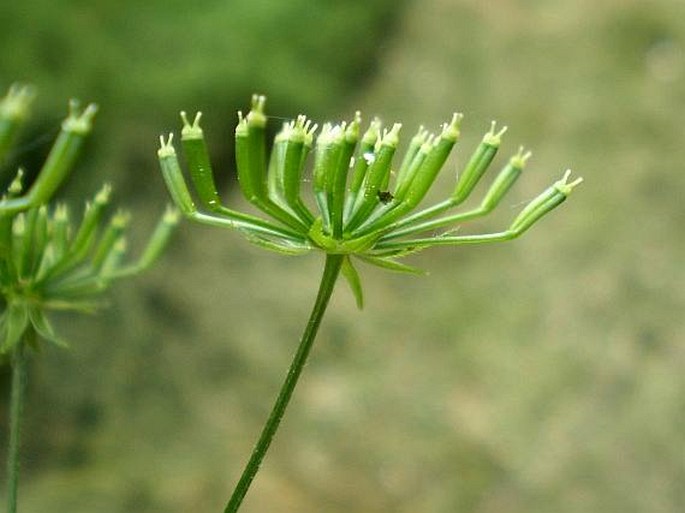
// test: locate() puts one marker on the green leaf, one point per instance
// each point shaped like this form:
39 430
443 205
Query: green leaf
44 328
74 305
282 247
398 252
352 277
392 265
72 291
333 245
14 322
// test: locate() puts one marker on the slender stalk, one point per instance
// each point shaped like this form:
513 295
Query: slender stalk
330 275
17 394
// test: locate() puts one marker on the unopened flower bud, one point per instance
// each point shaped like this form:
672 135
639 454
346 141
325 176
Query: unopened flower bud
544 203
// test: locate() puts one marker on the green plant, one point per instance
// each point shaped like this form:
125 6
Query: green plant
360 214
47 263
14 109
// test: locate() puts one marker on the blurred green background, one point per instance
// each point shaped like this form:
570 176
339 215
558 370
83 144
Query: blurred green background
541 375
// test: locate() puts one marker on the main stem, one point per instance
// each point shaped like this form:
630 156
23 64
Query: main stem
16 407
330 275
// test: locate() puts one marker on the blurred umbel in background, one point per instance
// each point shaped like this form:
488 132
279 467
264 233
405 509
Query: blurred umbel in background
544 375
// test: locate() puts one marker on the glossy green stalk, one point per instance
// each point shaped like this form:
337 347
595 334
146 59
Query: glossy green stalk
500 186
17 395
330 276
544 203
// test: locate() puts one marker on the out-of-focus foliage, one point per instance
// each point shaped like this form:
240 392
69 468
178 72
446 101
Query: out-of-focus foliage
145 62
540 376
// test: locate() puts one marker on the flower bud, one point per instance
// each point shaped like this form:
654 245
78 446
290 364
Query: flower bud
478 164
414 146
159 238
17 185
250 148
85 235
505 180
40 240
108 240
14 109
197 156
544 203
327 153
60 232
364 158
59 161
377 173
173 176
336 193
436 156
295 135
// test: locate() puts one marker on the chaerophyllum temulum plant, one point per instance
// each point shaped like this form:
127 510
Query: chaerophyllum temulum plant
362 210
47 261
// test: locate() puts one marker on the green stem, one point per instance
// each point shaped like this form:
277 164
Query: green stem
17 394
330 275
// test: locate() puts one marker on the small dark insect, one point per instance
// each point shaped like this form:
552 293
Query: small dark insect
385 197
